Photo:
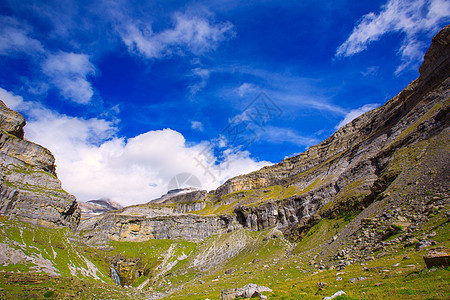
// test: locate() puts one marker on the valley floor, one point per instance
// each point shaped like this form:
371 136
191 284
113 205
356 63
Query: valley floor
185 270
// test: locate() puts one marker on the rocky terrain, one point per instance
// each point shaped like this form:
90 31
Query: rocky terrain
29 188
362 215
93 208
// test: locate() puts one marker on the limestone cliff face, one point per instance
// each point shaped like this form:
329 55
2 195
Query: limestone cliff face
139 228
165 219
29 188
245 182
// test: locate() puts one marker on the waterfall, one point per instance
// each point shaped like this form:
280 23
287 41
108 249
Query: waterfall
115 277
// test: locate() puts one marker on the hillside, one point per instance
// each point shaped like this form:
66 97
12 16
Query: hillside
357 212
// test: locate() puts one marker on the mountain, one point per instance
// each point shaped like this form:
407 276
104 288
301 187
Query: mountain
29 188
95 207
365 161
366 212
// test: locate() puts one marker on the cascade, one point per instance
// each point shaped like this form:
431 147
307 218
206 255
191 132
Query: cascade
115 276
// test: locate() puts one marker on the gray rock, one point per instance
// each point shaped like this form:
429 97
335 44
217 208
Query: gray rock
29 188
424 244
321 285
353 280
249 291
335 295
437 258
230 271
11 121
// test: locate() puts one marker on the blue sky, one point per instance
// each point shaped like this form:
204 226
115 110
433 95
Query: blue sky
128 94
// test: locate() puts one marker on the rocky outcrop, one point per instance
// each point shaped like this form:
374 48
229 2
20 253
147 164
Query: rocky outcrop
182 195
29 188
11 121
437 258
93 208
251 290
239 183
133 228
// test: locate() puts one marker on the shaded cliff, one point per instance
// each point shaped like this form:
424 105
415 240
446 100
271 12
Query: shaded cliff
29 188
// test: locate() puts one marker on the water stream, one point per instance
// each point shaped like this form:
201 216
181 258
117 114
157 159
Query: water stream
115 277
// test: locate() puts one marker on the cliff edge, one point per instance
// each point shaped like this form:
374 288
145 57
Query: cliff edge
29 188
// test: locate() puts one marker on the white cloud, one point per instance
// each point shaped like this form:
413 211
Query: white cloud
15 38
94 162
354 113
197 125
11 100
246 88
69 72
189 34
371 71
410 17
203 75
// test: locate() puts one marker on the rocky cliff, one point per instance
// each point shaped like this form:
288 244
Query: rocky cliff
93 208
29 188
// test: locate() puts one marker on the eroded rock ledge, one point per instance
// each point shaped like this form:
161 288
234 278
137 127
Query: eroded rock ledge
29 188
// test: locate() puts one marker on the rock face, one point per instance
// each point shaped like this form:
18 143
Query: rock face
163 218
138 228
93 208
239 183
29 188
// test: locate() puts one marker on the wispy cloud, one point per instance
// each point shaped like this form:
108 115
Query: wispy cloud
354 113
197 125
202 76
410 17
69 72
15 38
246 88
278 135
189 34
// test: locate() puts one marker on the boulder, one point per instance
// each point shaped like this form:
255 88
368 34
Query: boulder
335 295
251 290
425 243
437 258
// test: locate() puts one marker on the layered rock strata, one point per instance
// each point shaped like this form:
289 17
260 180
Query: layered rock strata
29 188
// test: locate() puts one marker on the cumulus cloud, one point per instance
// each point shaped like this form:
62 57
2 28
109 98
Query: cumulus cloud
411 17
94 162
354 113
190 34
69 72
